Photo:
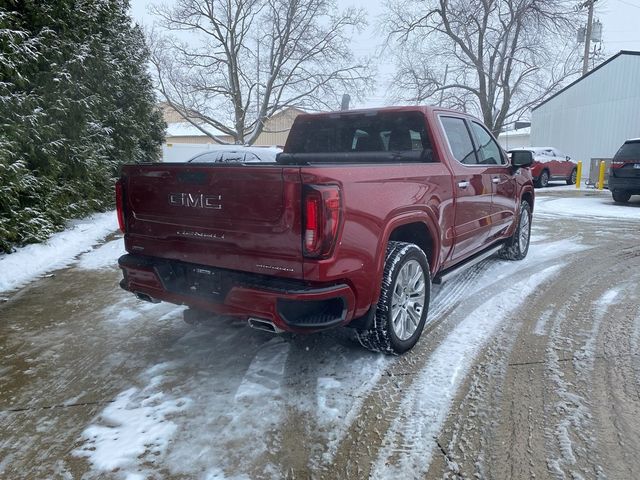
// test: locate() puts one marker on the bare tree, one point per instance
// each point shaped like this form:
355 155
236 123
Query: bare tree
494 58
228 65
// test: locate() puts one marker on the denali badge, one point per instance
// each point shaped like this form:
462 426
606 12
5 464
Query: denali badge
187 233
274 267
195 200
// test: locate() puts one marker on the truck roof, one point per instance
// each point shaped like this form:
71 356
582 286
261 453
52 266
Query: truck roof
400 108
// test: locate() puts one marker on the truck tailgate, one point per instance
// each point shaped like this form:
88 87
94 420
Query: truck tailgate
239 217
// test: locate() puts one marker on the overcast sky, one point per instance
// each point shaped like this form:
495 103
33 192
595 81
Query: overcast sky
620 19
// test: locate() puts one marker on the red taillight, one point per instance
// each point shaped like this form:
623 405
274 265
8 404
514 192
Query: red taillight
120 205
617 163
321 220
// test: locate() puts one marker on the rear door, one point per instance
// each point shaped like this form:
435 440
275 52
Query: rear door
239 217
565 165
472 189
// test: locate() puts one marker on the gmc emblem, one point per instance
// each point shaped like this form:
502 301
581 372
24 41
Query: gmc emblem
195 200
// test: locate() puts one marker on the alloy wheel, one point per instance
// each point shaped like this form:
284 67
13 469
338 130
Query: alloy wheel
407 304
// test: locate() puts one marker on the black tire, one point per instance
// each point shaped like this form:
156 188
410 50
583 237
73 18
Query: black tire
571 180
382 335
514 248
543 179
620 196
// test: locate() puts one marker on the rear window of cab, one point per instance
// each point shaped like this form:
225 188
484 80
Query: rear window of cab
353 133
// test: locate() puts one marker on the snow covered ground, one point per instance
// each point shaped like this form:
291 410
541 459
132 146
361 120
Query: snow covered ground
61 250
600 205
221 401
153 420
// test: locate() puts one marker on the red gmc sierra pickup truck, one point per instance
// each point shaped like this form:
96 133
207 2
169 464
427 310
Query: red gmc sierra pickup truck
357 217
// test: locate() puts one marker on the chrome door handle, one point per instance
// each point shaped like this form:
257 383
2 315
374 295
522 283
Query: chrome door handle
495 179
463 184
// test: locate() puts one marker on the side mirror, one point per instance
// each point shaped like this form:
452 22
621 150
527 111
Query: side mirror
567 158
521 158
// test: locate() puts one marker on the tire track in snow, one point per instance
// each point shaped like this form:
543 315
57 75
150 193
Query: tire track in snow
409 444
360 447
573 430
508 431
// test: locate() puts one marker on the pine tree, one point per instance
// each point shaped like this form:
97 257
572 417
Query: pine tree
76 102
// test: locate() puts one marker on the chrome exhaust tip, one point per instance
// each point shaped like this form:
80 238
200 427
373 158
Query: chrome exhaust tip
264 325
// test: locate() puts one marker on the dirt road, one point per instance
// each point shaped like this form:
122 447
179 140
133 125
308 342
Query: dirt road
527 369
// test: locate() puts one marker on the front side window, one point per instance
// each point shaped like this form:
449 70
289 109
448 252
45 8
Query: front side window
459 140
488 150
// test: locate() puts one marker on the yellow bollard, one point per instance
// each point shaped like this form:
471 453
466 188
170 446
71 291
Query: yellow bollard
578 174
603 167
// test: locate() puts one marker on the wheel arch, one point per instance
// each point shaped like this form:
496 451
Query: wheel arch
529 197
419 229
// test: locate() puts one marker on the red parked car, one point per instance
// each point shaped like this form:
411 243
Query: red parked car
350 226
550 164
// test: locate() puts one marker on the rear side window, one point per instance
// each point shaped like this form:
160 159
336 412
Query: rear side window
352 133
459 140
628 151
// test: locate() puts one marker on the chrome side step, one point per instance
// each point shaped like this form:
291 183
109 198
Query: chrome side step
455 270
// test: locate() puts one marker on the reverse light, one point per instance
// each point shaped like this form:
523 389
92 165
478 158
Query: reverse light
322 211
120 205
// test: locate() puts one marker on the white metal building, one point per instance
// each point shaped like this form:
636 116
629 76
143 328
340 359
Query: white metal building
593 116
515 138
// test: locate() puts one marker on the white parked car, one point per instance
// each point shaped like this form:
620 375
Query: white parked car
236 154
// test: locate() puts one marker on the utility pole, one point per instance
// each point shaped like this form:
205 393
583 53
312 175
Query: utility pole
587 40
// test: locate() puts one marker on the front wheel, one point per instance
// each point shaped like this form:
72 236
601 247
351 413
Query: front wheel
402 309
517 245
543 179
571 180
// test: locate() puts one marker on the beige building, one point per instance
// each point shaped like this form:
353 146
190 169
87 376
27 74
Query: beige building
180 131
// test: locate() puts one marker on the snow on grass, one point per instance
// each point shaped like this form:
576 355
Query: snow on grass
28 263
587 206
103 256
135 429
410 441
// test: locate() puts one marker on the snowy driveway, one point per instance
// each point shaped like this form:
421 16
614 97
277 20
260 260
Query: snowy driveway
527 368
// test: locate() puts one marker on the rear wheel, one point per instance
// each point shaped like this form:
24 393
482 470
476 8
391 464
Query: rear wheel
402 309
517 246
620 196
543 179
573 177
